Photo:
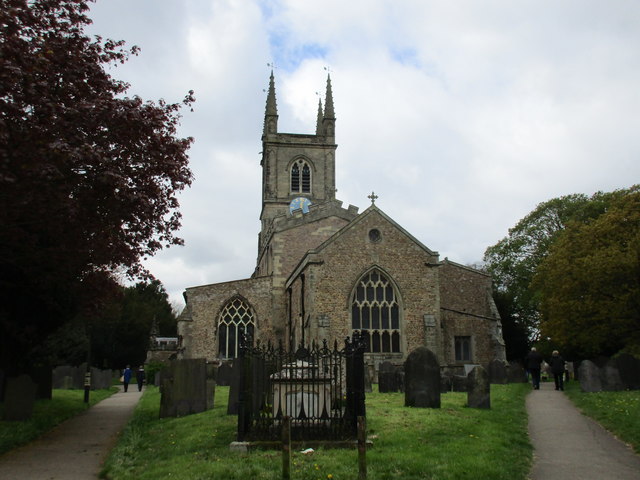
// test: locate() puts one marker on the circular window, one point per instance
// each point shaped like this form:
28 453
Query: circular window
374 235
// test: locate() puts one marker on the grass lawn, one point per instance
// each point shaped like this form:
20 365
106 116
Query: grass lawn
46 415
453 442
618 412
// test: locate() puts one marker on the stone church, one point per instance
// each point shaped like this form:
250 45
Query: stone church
323 271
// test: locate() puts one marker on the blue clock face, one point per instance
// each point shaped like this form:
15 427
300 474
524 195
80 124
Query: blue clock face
300 203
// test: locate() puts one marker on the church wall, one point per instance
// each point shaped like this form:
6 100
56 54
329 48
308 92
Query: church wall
205 303
330 279
289 246
466 311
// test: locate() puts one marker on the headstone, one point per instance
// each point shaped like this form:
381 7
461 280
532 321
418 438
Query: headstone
589 375
610 377
387 378
445 383
422 379
186 388
478 388
43 379
100 379
497 372
225 374
629 370
234 389
20 396
368 375
516 373
459 383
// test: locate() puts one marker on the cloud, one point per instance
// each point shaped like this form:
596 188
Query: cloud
462 116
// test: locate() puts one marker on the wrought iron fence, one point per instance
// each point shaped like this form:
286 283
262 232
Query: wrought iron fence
320 388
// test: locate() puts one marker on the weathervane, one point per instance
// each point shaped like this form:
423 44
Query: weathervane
373 197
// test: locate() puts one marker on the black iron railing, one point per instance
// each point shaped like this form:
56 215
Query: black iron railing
320 388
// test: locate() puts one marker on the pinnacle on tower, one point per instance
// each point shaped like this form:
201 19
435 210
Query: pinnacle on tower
319 120
329 114
271 111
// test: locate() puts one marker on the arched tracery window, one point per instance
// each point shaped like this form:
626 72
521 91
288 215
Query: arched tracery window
235 318
300 177
376 312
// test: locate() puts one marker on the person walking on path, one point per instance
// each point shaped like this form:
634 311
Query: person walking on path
570 446
77 448
534 362
557 368
126 377
140 376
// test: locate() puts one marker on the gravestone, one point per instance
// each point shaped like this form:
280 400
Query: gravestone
368 375
629 370
234 389
516 373
610 377
459 383
388 378
100 379
19 398
497 372
41 375
225 374
445 383
589 376
478 388
422 379
187 386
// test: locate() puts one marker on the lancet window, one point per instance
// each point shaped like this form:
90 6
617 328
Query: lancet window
375 311
300 177
235 319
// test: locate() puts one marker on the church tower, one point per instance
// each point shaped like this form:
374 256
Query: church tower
298 170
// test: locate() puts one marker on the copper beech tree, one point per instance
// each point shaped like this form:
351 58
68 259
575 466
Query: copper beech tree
88 176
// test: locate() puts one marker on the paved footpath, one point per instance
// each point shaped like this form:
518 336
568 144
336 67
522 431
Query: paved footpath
75 449
570 446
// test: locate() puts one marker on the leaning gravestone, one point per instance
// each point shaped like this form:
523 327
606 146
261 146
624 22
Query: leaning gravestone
387 378
187 386
19 398
422 379
368 375
629 369
497 372
478 388
589 375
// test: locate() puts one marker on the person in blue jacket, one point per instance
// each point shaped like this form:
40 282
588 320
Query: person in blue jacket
126 377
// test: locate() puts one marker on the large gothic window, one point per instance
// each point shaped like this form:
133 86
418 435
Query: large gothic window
235 318
300 177
375 311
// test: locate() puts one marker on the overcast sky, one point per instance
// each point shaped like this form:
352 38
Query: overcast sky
462 116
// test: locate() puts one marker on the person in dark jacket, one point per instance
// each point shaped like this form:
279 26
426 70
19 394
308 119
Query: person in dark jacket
140 376
534 362
126 377
557 368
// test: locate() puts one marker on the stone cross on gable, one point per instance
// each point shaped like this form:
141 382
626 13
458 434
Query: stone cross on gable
373 197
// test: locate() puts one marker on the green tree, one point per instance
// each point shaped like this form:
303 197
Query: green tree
514 260
88 176
121 336
589 283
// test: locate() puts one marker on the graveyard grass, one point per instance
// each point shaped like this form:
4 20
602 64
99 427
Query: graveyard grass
47 414
453 442
618 412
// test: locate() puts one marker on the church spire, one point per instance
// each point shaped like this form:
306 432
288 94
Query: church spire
319 120
271 111
329 120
